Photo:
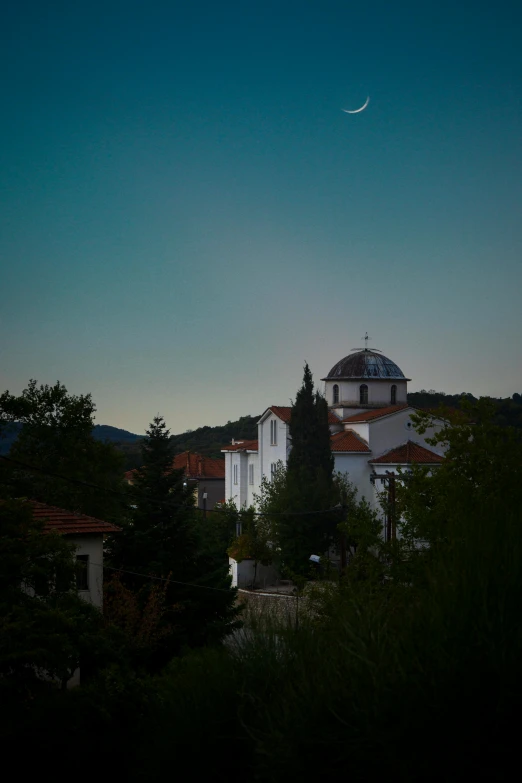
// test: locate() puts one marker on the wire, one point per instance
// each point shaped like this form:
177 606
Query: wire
161 578
165 502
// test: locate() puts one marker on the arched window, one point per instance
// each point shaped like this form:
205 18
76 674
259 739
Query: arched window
393 397
335 393
363 394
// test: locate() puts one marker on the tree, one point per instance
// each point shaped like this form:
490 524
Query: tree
309 484
475 491
161 541
56 438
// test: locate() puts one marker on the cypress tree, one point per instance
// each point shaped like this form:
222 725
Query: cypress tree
309 482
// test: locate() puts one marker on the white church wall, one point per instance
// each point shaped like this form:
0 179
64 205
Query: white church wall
392 431
379 391
357 470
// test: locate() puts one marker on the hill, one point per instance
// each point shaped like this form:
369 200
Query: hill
508 409
114 434
100 432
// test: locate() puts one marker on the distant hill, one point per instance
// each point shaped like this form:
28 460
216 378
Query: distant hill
102 432
113 434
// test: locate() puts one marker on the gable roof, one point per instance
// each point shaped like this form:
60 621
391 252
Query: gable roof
348 441
242 445
195 465
379 413
69 522
406 454
284 412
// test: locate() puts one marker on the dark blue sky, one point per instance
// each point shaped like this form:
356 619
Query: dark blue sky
187 214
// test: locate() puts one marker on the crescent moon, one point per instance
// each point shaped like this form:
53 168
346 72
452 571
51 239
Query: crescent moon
356 111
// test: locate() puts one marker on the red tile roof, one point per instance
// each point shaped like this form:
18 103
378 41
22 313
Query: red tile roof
198 467
195 465
285 413
242 445
348 441
376 414
69 522
407 453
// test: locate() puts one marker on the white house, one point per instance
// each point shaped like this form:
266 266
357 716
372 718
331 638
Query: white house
372 433
87 534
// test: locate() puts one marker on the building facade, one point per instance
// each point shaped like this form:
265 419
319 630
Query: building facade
372 432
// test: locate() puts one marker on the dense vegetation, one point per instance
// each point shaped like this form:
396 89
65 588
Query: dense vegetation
406 667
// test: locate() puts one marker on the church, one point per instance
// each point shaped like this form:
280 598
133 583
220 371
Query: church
372 433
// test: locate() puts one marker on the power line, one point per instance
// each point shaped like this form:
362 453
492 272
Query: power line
160 578
166 502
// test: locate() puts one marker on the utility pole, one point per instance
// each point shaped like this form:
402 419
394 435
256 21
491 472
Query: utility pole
343 544
389 481
204 502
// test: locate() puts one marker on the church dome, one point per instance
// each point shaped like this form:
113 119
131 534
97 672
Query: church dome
365 364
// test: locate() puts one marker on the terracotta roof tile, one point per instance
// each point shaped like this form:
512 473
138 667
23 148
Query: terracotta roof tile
69 522
195 465
406 454
376 414
348 441
284 412
242 445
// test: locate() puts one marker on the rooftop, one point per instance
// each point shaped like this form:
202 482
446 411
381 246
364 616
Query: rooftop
195 465
378 413
349 441
365 364
406 454
69 522
242 445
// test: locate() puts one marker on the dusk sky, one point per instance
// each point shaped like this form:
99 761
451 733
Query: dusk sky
188 214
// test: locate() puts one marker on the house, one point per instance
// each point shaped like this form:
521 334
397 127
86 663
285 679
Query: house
372 433
205 474
87 534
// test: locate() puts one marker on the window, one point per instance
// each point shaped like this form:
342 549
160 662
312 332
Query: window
393 397
272 471
82 572
335 393
250 474
363 394
273 432
235 474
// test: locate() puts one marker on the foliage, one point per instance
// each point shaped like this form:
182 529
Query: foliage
417 678
254 541
56 438
210 440
506 412
161 539
306 485
140 615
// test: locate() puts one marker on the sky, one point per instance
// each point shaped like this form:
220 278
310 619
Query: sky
187 214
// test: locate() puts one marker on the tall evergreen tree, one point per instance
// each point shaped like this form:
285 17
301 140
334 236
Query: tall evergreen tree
309 484
162 539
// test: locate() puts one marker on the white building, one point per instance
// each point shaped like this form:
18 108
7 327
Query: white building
372 433
87 535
